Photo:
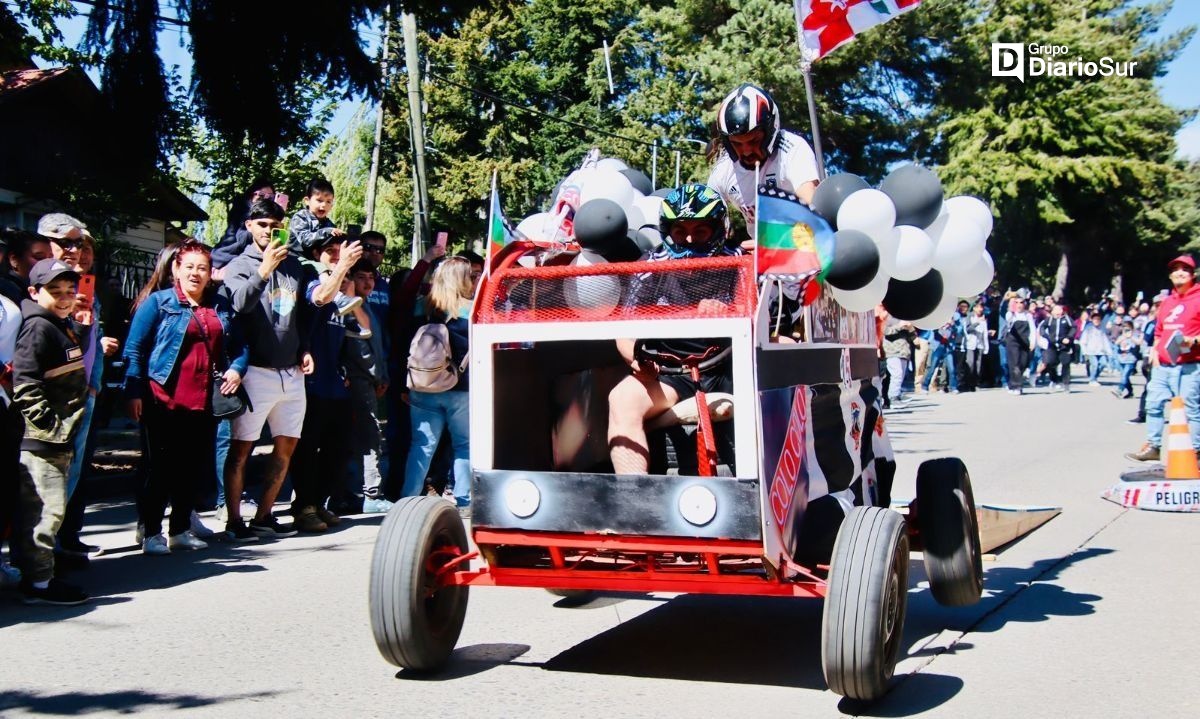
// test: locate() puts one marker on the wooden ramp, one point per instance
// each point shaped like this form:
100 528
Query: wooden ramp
1000 524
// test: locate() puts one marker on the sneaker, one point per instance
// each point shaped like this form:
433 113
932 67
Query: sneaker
328 517
139 534
222 513
198 529
346 305
155 545
308 521
360 334
1136 420
239 532
271 528
1093 383
373 505
186 540
57 592
464 512
1148 453
76 548
10 576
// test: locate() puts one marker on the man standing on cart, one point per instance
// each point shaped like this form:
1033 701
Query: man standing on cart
694 223
749 124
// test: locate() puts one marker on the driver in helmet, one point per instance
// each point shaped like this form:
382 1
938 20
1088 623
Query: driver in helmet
694 223
748 124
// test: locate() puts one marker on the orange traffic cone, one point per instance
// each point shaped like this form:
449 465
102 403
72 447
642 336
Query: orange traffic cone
1181 456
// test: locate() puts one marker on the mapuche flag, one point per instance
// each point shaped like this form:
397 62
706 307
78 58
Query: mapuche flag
500 230
793 241
826 25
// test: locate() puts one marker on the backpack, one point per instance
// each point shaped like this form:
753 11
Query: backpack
431 366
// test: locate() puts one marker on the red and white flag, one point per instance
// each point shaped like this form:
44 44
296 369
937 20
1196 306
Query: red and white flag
826 25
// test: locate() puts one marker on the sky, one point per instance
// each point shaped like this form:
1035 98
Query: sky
1179 86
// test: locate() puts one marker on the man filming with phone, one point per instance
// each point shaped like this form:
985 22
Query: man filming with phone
264 284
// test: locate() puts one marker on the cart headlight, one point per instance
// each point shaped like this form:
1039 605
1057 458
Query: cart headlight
522 497
698 505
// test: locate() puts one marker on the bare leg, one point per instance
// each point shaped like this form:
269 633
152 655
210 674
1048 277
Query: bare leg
633 401
281 457
235 477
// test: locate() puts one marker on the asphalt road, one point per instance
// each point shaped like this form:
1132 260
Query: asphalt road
1093 615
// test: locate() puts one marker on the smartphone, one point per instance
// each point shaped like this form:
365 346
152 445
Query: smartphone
87 287
353 230
279 237
442 239
281 199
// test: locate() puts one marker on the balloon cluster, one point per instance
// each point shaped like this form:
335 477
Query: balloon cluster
905 245
607 207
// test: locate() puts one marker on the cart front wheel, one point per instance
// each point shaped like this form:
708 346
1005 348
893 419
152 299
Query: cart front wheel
416 623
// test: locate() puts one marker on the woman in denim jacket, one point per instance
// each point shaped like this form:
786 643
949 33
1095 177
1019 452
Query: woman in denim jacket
177 356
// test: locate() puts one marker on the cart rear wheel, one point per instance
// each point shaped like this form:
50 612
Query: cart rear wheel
949 532
867 599
416 624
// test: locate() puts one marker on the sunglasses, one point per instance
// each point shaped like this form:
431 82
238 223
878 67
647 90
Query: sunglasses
373 249
67 244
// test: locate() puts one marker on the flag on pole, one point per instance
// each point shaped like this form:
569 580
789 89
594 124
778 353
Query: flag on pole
500 230
793 241
826 25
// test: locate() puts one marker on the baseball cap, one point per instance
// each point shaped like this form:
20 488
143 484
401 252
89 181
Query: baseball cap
49 270
1182 260
1162 295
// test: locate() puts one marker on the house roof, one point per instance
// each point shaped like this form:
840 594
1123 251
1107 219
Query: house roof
52 134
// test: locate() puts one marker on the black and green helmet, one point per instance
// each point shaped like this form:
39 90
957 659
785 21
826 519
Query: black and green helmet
694 202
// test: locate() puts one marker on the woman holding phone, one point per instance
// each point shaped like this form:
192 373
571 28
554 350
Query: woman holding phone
177 357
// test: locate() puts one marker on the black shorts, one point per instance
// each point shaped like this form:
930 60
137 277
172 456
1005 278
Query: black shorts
717 379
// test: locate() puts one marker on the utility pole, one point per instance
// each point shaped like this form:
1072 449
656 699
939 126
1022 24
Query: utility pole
373 178
417 130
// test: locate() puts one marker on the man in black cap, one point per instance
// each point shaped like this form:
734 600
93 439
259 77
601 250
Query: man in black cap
50 391
1175 358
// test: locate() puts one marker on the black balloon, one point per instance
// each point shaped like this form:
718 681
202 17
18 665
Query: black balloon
917 193
600 223
638 179
623 249
916 299
644 242
662 192
832 192
855 260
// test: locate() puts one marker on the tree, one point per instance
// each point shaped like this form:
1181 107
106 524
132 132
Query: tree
1080 171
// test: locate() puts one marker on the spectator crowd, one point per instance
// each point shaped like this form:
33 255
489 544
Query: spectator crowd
290 332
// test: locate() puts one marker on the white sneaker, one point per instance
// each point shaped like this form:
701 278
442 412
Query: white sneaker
198 529
222 514
155 545
187 540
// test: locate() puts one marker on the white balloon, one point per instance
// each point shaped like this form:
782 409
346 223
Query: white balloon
941 314
540 226
612 163
865 298
594 296
972 280
973 209
888 243
598 183
958 242
651 209
914 253
869 211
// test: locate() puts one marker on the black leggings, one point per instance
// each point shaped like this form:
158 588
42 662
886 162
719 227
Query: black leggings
182 446
1018 360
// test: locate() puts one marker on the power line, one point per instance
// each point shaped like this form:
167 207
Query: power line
542 113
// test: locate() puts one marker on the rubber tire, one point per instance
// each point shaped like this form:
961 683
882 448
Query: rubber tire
412 631
863 622
949 530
